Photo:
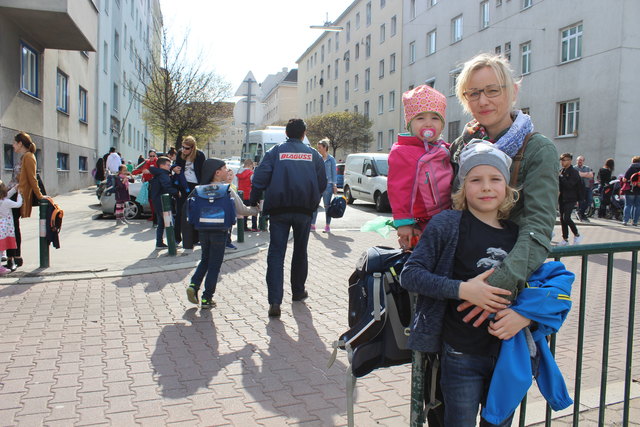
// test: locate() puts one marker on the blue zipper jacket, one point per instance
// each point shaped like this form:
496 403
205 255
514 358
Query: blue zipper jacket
292 177
546 301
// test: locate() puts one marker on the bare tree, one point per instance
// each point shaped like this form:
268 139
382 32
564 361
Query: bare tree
179 97
343 129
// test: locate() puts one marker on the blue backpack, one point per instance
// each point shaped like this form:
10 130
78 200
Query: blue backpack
209 207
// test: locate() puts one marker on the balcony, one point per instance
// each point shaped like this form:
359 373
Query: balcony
55 24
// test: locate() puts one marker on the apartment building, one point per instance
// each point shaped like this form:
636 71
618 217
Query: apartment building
128 33
358 69
280 97
228 142
577 64
47 82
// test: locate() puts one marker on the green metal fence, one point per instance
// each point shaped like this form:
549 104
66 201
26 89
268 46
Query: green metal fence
583 251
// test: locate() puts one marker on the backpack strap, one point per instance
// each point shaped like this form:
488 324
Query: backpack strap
518 159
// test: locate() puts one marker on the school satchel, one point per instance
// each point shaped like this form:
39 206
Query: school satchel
337 207
210 207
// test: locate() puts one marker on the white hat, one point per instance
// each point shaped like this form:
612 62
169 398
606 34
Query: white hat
479 152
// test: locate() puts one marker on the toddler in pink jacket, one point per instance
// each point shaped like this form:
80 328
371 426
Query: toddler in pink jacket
420 172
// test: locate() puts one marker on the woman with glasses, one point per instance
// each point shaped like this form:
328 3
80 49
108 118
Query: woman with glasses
188 168
487 90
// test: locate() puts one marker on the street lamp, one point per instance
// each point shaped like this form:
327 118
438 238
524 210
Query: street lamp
327 26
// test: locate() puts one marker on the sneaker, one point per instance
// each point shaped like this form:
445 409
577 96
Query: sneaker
232 246
161 246
563 243
303 296
625 223
207 303
577 240
274 310
327 229
4 270
313 227
192 294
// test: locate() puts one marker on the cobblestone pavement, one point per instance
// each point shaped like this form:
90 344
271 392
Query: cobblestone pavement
132 350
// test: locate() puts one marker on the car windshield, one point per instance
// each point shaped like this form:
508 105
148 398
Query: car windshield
382 166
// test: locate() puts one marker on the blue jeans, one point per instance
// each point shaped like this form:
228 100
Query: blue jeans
465 380
631 208
326 199
279 226
213 243
160 229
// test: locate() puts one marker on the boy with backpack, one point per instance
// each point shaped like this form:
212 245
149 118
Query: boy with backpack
213 220
161 184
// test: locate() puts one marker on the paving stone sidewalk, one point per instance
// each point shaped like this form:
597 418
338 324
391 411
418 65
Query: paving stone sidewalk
132 351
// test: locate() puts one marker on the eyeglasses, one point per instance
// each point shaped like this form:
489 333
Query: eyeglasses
490 91
184 147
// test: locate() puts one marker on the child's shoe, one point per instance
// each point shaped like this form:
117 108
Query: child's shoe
577 240
231 246
563 243
207 303
4 270
327 229
192 294
313 227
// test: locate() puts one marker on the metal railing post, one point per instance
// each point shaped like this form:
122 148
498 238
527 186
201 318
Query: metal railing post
44 245
240 222
167 217
417 389
632 315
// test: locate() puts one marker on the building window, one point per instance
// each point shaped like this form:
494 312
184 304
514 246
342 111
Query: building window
82 105
357 20
381 69
412 9
322 54
527 4
484 14
412 52
383 3
8 156
498 50
356 82
382 33
335 96
394 26
431 82
367 46
82 164
62 92
367 11
337 68
456 29
433 2
454 130
62 161
525 58
328 72
321 103
568 118
366 109
105 57
379 140
498 3
392 63
431 42
453 79
346 90
104 117
29 70
337 41
115 95
381 104
347 61
367 80
106 6
357 51
572 43
392 137
329 46
507 51
116 45
392 100
348 32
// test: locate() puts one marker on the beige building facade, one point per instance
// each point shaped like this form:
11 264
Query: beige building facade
280 98
358 69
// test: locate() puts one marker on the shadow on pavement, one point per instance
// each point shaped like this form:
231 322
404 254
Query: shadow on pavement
339 245
186 356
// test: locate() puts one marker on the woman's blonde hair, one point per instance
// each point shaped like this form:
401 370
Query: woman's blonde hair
499 65
190 142
510 200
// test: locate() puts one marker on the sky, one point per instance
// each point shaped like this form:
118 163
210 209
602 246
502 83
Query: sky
238 36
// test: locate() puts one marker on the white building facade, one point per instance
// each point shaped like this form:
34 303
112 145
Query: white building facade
358 69
577 64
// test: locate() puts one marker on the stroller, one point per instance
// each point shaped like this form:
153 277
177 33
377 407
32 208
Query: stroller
611 201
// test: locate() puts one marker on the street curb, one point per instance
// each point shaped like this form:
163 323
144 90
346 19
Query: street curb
61 276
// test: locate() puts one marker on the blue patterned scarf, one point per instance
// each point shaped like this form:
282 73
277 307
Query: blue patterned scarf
511 141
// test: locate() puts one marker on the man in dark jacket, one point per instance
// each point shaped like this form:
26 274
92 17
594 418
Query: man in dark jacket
159 185
292 177
571 192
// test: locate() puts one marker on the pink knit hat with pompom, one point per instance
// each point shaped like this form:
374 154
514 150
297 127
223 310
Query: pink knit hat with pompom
423 99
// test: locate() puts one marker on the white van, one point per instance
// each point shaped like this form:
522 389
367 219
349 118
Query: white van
365 178
261 141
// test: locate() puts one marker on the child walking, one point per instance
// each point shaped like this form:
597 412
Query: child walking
159 185
122 194
458 251
213 241
7 230
244 176
420 172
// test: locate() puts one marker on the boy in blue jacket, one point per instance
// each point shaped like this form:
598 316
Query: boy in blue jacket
161 184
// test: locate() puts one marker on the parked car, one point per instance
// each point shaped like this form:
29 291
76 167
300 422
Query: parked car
132 209
365 178
340 174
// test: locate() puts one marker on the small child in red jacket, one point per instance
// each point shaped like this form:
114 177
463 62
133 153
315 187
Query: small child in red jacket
420 172
244 176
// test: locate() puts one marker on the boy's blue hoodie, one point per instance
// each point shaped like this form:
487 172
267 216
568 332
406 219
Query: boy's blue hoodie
159 185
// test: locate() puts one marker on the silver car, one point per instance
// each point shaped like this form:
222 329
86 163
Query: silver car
132 209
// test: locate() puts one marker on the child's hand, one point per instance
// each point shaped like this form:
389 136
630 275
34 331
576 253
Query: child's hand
507 323
478 292
407 235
